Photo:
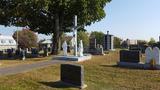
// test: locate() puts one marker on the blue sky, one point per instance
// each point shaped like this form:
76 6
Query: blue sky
133 19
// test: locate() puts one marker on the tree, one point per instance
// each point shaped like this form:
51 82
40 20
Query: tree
99 37
51 16
152 41
82 35
26 39
117 42
141 42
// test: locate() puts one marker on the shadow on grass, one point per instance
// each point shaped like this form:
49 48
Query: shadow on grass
127 67
57 84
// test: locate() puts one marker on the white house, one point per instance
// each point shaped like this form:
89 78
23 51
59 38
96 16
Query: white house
7 42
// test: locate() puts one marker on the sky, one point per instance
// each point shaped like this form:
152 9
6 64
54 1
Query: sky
133 19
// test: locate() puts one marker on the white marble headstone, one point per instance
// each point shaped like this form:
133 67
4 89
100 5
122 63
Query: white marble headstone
149 54
156 54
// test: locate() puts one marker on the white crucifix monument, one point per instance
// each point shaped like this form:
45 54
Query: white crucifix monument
156 55
75 35
75 57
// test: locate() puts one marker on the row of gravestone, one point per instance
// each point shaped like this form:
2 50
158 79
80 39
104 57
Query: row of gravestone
134 56
19 53
94 48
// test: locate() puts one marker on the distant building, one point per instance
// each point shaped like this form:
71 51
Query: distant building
131 42
108 41
46 43
7 42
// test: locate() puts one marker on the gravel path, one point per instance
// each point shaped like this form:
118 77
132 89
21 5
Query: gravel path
28 67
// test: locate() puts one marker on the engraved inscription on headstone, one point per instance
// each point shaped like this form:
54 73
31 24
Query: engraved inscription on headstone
72 74
130 56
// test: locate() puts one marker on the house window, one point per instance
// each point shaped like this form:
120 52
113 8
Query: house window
3 41
10 41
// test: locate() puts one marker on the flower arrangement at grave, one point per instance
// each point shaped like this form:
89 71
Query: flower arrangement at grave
152 64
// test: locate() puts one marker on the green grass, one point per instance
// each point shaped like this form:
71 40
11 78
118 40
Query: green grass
100 74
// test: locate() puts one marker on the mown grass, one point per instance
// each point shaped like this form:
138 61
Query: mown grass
101 73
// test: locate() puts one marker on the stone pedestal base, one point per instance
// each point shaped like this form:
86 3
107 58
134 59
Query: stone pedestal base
138 65
74 58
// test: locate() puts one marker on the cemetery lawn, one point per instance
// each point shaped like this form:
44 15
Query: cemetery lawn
7 63
101 73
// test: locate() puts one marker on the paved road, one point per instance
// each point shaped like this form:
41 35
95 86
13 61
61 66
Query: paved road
28 67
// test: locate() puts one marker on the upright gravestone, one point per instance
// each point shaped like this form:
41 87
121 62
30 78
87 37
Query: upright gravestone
149 54
131 56
108 41
101 50
10 53
73 75
18 53
1 54
92 43
34 52
156 54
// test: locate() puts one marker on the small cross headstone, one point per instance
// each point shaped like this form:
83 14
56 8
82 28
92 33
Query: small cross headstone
149 54
156 54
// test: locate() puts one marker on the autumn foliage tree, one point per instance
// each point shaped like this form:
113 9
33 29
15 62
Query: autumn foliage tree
26 38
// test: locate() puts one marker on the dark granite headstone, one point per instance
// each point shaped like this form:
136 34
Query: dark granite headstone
92 43
1 54
72 74
10 53
68 49
18 52
108 42
34 52
132 56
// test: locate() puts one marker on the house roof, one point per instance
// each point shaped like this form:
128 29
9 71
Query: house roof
48 41
7 40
